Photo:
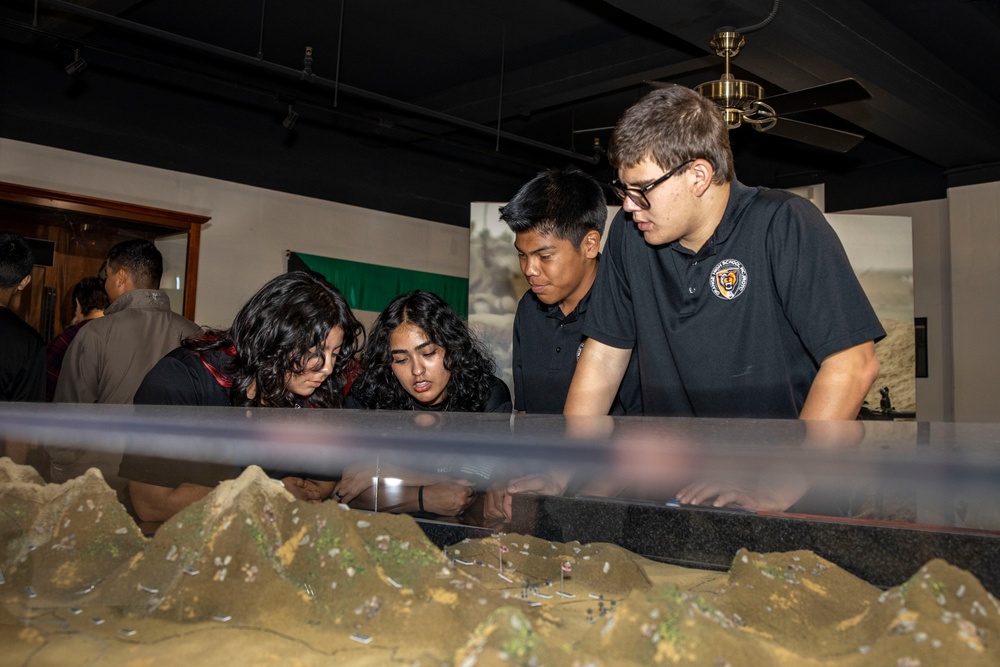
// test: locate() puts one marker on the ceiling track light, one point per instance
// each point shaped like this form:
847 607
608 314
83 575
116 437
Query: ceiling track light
78 64
320 82
290 119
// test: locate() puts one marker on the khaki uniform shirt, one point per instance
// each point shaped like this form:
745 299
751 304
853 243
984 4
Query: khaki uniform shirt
107 361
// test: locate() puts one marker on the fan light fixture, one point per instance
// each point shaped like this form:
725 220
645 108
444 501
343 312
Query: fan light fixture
744 101
739 100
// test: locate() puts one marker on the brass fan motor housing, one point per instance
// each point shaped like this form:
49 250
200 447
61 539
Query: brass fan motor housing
732 93
737 98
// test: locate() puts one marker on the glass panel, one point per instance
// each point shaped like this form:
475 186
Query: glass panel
602 580
174 250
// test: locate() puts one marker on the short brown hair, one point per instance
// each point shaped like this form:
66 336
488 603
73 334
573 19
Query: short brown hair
669 126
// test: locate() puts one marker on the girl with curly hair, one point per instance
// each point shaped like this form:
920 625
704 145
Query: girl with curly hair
420 355
292 345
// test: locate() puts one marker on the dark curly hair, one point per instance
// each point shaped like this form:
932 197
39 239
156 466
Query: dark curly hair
90 294
470 364
282 330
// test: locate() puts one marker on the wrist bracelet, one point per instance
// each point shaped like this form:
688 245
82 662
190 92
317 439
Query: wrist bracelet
420 498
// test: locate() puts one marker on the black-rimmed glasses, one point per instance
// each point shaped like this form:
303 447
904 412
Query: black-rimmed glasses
638 195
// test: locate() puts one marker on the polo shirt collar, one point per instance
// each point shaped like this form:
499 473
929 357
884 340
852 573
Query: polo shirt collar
553 310
740 197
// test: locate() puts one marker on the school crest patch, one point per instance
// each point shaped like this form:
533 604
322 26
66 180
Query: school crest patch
729 279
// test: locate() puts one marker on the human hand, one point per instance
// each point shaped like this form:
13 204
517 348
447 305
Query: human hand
355 480
714 493
448 498
495 500
304 489
547 484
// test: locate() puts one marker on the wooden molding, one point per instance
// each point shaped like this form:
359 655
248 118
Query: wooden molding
173 221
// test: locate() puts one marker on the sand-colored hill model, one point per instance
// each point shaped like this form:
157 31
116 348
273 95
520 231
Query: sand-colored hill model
249 576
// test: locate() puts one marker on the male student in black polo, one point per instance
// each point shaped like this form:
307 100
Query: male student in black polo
557 218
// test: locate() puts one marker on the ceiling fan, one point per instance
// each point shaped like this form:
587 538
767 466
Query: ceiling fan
744 102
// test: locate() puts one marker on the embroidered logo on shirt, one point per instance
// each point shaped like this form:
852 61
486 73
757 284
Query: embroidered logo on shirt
729 279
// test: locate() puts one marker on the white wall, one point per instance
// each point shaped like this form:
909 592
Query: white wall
974 212
244 243
956 254
931 299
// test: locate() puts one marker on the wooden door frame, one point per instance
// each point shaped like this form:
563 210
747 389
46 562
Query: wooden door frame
118 210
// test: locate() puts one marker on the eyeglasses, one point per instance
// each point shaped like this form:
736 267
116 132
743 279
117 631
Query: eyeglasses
638 195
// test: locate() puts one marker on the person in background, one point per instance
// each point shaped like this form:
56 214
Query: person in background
110 356
291 345
421 356
22 376
89 302
557 218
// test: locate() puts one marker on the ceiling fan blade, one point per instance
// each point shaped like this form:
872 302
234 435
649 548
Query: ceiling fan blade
817 97
824 137
594 129
679 69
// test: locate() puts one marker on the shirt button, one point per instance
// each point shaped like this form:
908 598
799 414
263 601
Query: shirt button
558 349
692 290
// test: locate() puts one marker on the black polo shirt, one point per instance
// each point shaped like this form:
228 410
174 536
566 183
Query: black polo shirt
739 328
180 378
547 345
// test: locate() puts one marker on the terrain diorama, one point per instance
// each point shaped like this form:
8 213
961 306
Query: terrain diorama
250 576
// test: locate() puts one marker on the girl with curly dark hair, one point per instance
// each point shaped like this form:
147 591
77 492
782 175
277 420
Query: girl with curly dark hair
291 345
420 355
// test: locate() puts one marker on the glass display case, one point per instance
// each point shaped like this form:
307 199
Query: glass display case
838 528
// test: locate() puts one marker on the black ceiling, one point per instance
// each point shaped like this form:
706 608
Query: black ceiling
418 107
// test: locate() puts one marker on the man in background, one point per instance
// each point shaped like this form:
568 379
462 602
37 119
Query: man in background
21 374
109 357
89 302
